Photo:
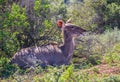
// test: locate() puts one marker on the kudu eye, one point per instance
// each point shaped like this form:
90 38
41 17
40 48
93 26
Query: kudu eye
72 27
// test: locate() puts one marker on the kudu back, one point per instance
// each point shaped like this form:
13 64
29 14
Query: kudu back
54 55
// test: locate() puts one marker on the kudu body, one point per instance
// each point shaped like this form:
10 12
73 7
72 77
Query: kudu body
50 54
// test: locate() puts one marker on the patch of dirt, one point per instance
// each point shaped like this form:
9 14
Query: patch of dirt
105 69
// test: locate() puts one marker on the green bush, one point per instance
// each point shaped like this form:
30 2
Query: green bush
94 59
112 79
113 56
97 47
6 69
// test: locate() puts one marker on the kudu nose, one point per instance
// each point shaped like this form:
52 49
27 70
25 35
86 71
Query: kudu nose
82 34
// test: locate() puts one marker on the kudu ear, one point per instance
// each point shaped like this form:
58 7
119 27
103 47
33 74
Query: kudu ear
60 23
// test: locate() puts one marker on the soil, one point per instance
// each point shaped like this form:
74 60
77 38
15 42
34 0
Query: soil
105 69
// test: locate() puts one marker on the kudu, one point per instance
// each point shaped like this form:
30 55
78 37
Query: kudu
51 54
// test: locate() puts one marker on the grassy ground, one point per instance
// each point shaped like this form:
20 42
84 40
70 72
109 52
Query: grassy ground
98 73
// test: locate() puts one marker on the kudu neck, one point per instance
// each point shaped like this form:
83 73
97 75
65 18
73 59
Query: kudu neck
68 44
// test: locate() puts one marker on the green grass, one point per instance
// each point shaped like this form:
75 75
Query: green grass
63 74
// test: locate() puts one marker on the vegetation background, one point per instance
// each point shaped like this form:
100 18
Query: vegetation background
27 23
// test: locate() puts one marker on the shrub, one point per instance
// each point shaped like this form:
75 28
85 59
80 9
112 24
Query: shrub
113 56
96 47
112 79
5 68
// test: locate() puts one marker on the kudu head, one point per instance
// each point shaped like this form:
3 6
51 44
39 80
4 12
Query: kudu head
70 29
